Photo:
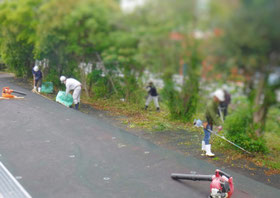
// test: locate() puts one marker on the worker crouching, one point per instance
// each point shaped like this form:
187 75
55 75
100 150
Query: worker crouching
76 86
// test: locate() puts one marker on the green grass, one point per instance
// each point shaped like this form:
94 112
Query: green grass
135 116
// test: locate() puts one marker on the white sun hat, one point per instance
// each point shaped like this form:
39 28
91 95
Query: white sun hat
62 78
36 68
219 93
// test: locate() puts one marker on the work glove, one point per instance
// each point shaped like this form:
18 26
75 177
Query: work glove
204 125
220 128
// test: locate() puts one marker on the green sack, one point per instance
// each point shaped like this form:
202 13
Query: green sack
64 99
47 87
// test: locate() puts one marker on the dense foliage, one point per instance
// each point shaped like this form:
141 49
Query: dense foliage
251 41
240 130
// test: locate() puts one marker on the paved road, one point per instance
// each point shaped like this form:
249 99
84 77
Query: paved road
62 153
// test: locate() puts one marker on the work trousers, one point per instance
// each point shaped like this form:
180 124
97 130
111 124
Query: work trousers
38 83
207 134
77 94
154 98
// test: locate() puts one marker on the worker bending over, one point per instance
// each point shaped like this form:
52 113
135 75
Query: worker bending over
37 78
212 117
76 86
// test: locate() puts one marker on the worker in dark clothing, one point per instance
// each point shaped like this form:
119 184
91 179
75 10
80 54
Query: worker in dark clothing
223 108
37 78
212 118
152 95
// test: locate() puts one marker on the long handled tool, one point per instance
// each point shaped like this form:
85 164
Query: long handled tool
221 114
199 123
221 183
18 92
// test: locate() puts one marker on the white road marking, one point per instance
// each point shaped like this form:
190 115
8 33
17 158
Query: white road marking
14 181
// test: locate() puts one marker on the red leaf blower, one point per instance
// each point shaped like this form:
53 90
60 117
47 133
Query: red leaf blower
221 183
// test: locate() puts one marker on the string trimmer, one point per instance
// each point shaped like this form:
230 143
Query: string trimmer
198 123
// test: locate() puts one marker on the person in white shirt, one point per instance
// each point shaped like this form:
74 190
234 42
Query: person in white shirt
76 86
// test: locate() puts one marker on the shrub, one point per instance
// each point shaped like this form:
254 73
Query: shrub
126 88
272 123
99 85
53 77
238 127
182 105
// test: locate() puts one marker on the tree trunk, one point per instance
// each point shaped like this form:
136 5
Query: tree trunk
84 83
260 107
259 119
106 72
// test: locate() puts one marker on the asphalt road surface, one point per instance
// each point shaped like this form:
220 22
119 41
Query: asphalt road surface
57 152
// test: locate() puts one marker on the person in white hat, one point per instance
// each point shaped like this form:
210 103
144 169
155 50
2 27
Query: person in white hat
212 117
37 78
76 86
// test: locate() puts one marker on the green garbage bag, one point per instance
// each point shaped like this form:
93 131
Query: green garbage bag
47 87
64 99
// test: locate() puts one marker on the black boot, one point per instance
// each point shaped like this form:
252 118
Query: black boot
146 107
77 106
158 109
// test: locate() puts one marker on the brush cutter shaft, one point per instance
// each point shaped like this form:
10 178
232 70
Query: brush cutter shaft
199 123
192 177
229 141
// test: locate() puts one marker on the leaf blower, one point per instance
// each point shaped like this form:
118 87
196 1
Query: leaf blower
7 93
221 185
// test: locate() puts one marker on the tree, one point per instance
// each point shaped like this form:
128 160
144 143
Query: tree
157 22
17 34
252 39
71 32
121 57
153 23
